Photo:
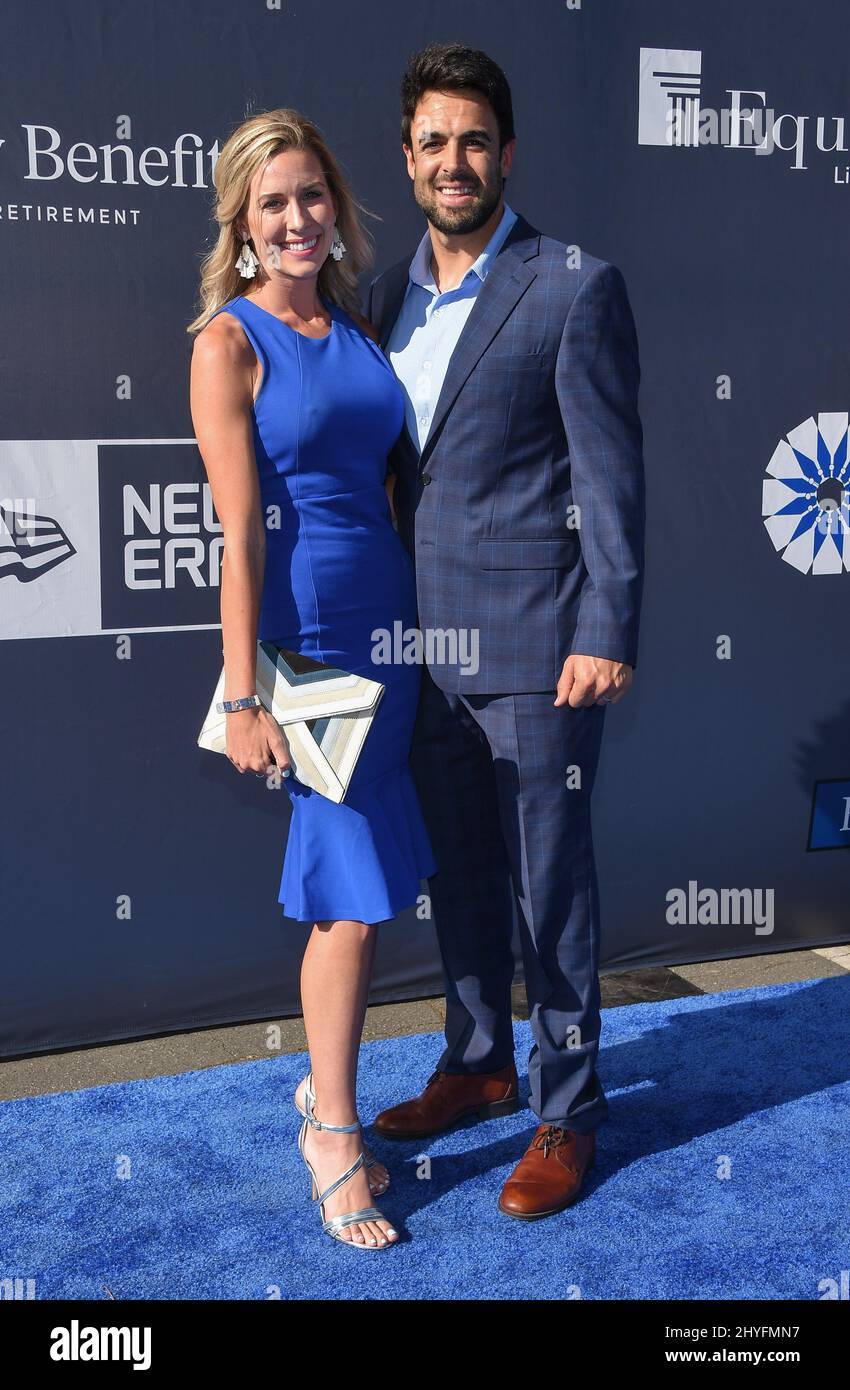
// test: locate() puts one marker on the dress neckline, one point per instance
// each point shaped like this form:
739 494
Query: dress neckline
306 336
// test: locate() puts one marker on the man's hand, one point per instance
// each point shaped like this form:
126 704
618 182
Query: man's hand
593 680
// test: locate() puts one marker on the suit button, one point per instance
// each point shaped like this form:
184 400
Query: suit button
426 478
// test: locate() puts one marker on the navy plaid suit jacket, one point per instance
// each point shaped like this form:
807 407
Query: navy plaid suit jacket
537 415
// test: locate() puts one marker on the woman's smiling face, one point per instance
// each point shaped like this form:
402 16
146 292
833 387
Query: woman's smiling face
290 215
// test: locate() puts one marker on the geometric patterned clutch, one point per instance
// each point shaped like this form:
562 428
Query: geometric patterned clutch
324 714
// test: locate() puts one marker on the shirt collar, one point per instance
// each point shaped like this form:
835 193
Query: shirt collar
420 266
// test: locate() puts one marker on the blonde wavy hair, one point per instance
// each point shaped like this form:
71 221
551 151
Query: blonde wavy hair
251 145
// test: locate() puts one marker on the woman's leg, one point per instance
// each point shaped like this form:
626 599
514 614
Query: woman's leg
335 975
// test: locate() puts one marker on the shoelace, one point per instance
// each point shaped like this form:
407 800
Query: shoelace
550 1140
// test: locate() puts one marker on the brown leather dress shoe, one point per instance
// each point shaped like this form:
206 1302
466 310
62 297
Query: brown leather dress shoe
549 1175
448 1099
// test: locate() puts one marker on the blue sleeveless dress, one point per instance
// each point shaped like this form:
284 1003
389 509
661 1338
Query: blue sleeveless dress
327 413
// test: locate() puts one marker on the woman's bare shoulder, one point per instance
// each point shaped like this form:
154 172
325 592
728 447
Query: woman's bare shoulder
221 328
222 342
223 365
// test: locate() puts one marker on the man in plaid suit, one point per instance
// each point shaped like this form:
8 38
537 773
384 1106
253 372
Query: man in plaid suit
519 491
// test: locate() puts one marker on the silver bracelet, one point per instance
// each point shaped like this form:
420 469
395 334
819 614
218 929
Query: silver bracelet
230 706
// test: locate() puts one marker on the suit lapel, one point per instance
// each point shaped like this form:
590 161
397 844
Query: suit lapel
504 285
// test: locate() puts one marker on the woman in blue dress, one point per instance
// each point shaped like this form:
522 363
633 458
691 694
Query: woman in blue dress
295 410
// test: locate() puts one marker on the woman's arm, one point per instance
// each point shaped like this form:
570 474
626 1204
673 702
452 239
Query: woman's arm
220 400
221 397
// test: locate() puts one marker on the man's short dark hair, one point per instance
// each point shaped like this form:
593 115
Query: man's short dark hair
451 65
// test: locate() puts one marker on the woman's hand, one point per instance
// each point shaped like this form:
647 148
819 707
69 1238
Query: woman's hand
255 742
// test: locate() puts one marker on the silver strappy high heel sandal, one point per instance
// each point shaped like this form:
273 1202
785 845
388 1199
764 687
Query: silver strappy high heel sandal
335 1224
371 1162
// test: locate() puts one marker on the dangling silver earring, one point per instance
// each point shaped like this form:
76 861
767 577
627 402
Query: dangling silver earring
247 263
337 246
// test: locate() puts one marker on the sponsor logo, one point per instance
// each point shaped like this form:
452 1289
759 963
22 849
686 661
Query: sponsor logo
671 111
805 501
829 824
106 536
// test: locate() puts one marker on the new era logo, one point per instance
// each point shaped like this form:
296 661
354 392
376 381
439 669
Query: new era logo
30 544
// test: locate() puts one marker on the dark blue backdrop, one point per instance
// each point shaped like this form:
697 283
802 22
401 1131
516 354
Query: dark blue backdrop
140 874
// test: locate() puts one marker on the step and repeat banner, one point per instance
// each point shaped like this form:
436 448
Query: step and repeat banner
701 147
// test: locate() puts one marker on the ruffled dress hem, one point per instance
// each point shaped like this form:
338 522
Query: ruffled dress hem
359 860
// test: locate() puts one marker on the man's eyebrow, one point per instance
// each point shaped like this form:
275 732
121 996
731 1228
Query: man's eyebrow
467 135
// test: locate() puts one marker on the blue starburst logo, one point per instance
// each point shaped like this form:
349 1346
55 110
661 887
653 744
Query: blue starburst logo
805 497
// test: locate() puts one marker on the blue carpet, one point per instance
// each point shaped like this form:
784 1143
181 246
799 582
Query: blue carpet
213 1204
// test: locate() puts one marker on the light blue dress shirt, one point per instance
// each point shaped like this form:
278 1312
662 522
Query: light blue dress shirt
429 325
